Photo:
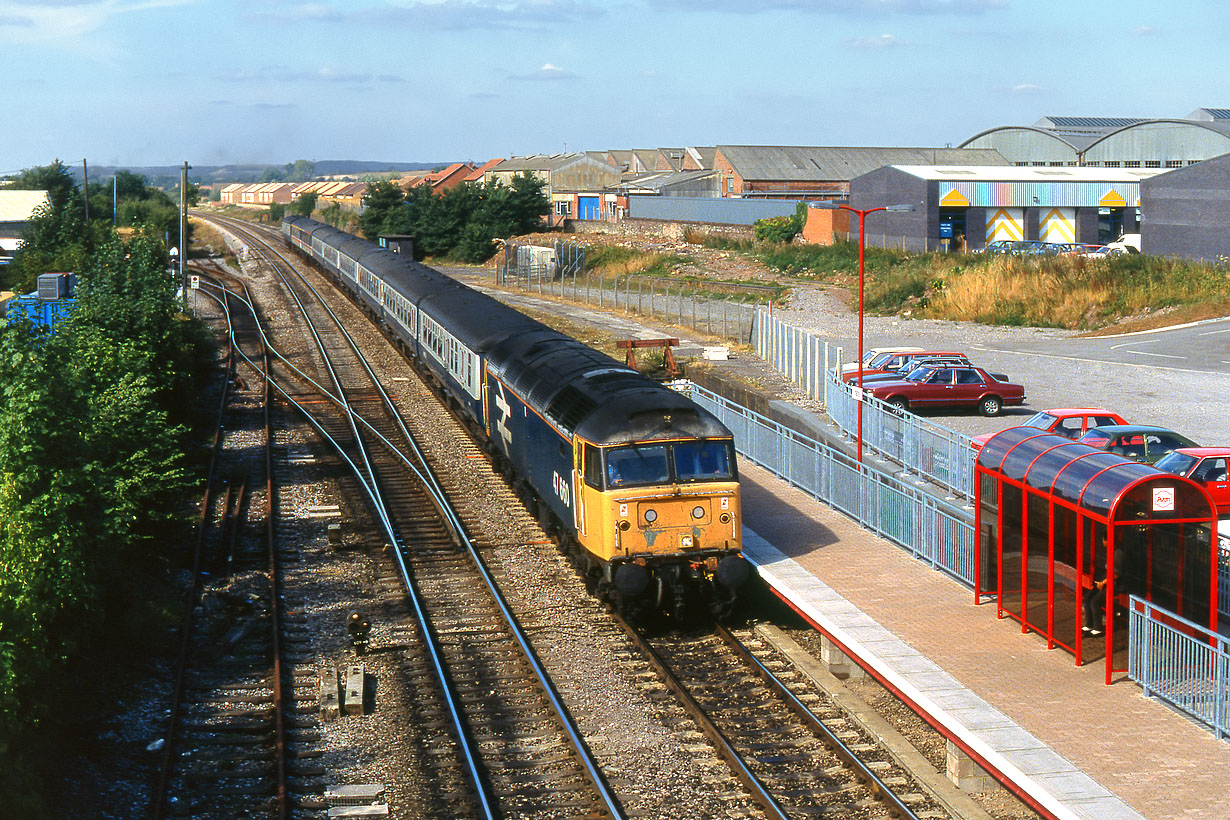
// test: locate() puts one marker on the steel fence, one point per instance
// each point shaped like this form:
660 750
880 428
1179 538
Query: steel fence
932 450
674 303
931 529
1180 662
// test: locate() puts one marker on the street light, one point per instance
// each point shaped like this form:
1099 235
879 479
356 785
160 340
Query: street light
862 217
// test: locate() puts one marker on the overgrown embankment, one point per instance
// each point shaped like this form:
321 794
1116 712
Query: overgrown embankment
1077 293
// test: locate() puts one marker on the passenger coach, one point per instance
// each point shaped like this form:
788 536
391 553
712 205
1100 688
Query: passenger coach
638 481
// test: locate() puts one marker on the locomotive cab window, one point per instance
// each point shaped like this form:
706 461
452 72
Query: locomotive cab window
637 464
592 465
703 461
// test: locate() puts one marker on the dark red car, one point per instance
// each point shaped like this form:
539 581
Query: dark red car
1209 466
893 362
950 387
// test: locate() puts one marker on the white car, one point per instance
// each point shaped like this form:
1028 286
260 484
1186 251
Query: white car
870 355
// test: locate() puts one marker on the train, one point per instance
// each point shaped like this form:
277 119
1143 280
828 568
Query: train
635 481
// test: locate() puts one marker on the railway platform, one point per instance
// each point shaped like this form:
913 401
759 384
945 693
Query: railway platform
1075 747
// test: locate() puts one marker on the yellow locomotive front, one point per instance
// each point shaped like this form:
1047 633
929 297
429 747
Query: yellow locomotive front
663 517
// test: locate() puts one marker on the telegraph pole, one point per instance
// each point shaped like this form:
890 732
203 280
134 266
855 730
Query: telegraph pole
183 233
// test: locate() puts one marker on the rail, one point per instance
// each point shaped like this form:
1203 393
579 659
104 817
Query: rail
930 528
1181 663
939 454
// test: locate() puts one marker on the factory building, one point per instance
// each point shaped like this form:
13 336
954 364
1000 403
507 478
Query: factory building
1112 142
962 208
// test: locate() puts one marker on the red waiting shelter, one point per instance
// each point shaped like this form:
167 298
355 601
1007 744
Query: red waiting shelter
1066 532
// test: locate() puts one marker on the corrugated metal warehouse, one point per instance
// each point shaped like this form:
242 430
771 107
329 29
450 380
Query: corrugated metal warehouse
1187 212
965 207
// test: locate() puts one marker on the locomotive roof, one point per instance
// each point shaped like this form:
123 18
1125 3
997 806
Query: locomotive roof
580 389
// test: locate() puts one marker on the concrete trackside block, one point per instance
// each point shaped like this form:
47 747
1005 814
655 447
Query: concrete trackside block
352 703
839 664
330 695
965 774
378 810
359 794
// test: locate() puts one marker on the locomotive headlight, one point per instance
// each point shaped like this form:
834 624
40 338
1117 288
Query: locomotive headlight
698 512
724 518
651 516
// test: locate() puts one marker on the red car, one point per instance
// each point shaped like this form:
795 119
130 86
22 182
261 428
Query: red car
1209 466
893 362
950 387
1069 422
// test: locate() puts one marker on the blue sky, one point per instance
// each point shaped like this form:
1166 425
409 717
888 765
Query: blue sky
146 82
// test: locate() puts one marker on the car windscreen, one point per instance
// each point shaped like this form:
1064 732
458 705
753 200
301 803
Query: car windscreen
919 374
1177 463
1042 421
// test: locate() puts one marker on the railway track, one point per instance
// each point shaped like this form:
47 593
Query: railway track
513 739
786 762
227 747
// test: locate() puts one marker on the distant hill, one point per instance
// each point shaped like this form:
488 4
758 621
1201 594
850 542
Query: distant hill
162 175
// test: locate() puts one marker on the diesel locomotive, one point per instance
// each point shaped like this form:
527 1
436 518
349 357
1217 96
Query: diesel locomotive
637 482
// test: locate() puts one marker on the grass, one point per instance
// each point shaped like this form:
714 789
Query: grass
1129 292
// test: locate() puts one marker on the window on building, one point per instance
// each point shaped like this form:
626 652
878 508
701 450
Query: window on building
1056 164
1153 163
1111 164
1174 163
1131 163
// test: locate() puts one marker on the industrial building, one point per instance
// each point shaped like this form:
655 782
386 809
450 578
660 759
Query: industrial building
1187 212
965 207
1112 142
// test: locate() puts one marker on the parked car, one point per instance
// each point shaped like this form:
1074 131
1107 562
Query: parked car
874 353
1139 442
998 246
1104 251
893 362
1209 466
950 387
1069 422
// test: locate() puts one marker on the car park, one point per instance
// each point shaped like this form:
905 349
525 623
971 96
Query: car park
1139 442
1069 422
937 387
1209 466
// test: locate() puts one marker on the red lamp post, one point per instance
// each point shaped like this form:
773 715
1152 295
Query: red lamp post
862 217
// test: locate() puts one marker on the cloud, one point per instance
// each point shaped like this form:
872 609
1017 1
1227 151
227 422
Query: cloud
849 7
439 16
40 21
547 73
1028 88
325 75
883 41
1145 31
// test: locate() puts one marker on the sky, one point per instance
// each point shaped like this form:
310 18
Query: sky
212 82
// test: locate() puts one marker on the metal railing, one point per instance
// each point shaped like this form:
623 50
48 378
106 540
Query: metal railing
932 450
1180 662
930 528
678 304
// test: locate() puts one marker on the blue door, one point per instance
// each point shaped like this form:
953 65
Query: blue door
587 206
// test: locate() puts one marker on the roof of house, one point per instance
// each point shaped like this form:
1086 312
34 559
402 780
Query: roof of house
805 163
477 174
661 179
542 162
19 206
1019 173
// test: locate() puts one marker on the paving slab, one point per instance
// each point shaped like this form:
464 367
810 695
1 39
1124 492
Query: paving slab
1088 750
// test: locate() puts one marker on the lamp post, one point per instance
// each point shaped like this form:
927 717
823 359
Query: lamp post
862 217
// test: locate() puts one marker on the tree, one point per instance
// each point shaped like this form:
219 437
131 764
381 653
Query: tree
304 204
378 201
301 170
